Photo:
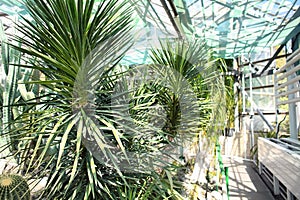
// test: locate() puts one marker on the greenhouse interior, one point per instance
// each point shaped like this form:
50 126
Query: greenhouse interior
150 99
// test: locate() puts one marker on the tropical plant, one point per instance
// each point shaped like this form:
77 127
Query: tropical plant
71 130
192 71
59 37
146 188
88 124
229 78
195 95
184 64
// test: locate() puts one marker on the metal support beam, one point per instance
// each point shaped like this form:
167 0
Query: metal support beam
165 6
236 98
287 38
173 7
292 112
272 59
251 111
3 14
243 118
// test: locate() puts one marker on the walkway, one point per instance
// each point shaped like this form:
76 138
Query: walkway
244 181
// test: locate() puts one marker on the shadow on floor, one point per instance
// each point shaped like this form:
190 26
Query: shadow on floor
244 181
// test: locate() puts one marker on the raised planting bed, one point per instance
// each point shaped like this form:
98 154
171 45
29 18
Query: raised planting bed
282 158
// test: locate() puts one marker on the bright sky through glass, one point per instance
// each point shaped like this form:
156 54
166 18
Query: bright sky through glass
230 27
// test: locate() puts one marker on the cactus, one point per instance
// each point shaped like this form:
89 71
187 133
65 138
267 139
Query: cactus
13 187
11 74
10 58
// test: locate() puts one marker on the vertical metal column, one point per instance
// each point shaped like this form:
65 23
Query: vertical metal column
293 114
276 103
236 97
251 110
244 114
292 109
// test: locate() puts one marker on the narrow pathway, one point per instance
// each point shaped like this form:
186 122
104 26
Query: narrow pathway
244 181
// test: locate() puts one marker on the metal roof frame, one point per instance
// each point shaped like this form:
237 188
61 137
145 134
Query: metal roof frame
230 27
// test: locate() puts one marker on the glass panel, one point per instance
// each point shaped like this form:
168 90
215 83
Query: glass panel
260 81
230 27
264 98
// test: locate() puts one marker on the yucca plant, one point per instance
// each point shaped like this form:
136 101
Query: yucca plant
193 74
86 129
58 39
195 95
70 131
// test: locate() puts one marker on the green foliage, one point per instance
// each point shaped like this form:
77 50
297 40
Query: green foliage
50 131
190 70
86 123
9 90
13 187
147 187
66 128
229 92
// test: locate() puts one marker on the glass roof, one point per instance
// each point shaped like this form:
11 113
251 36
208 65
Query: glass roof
231 27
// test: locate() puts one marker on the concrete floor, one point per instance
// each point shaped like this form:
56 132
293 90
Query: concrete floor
244 181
